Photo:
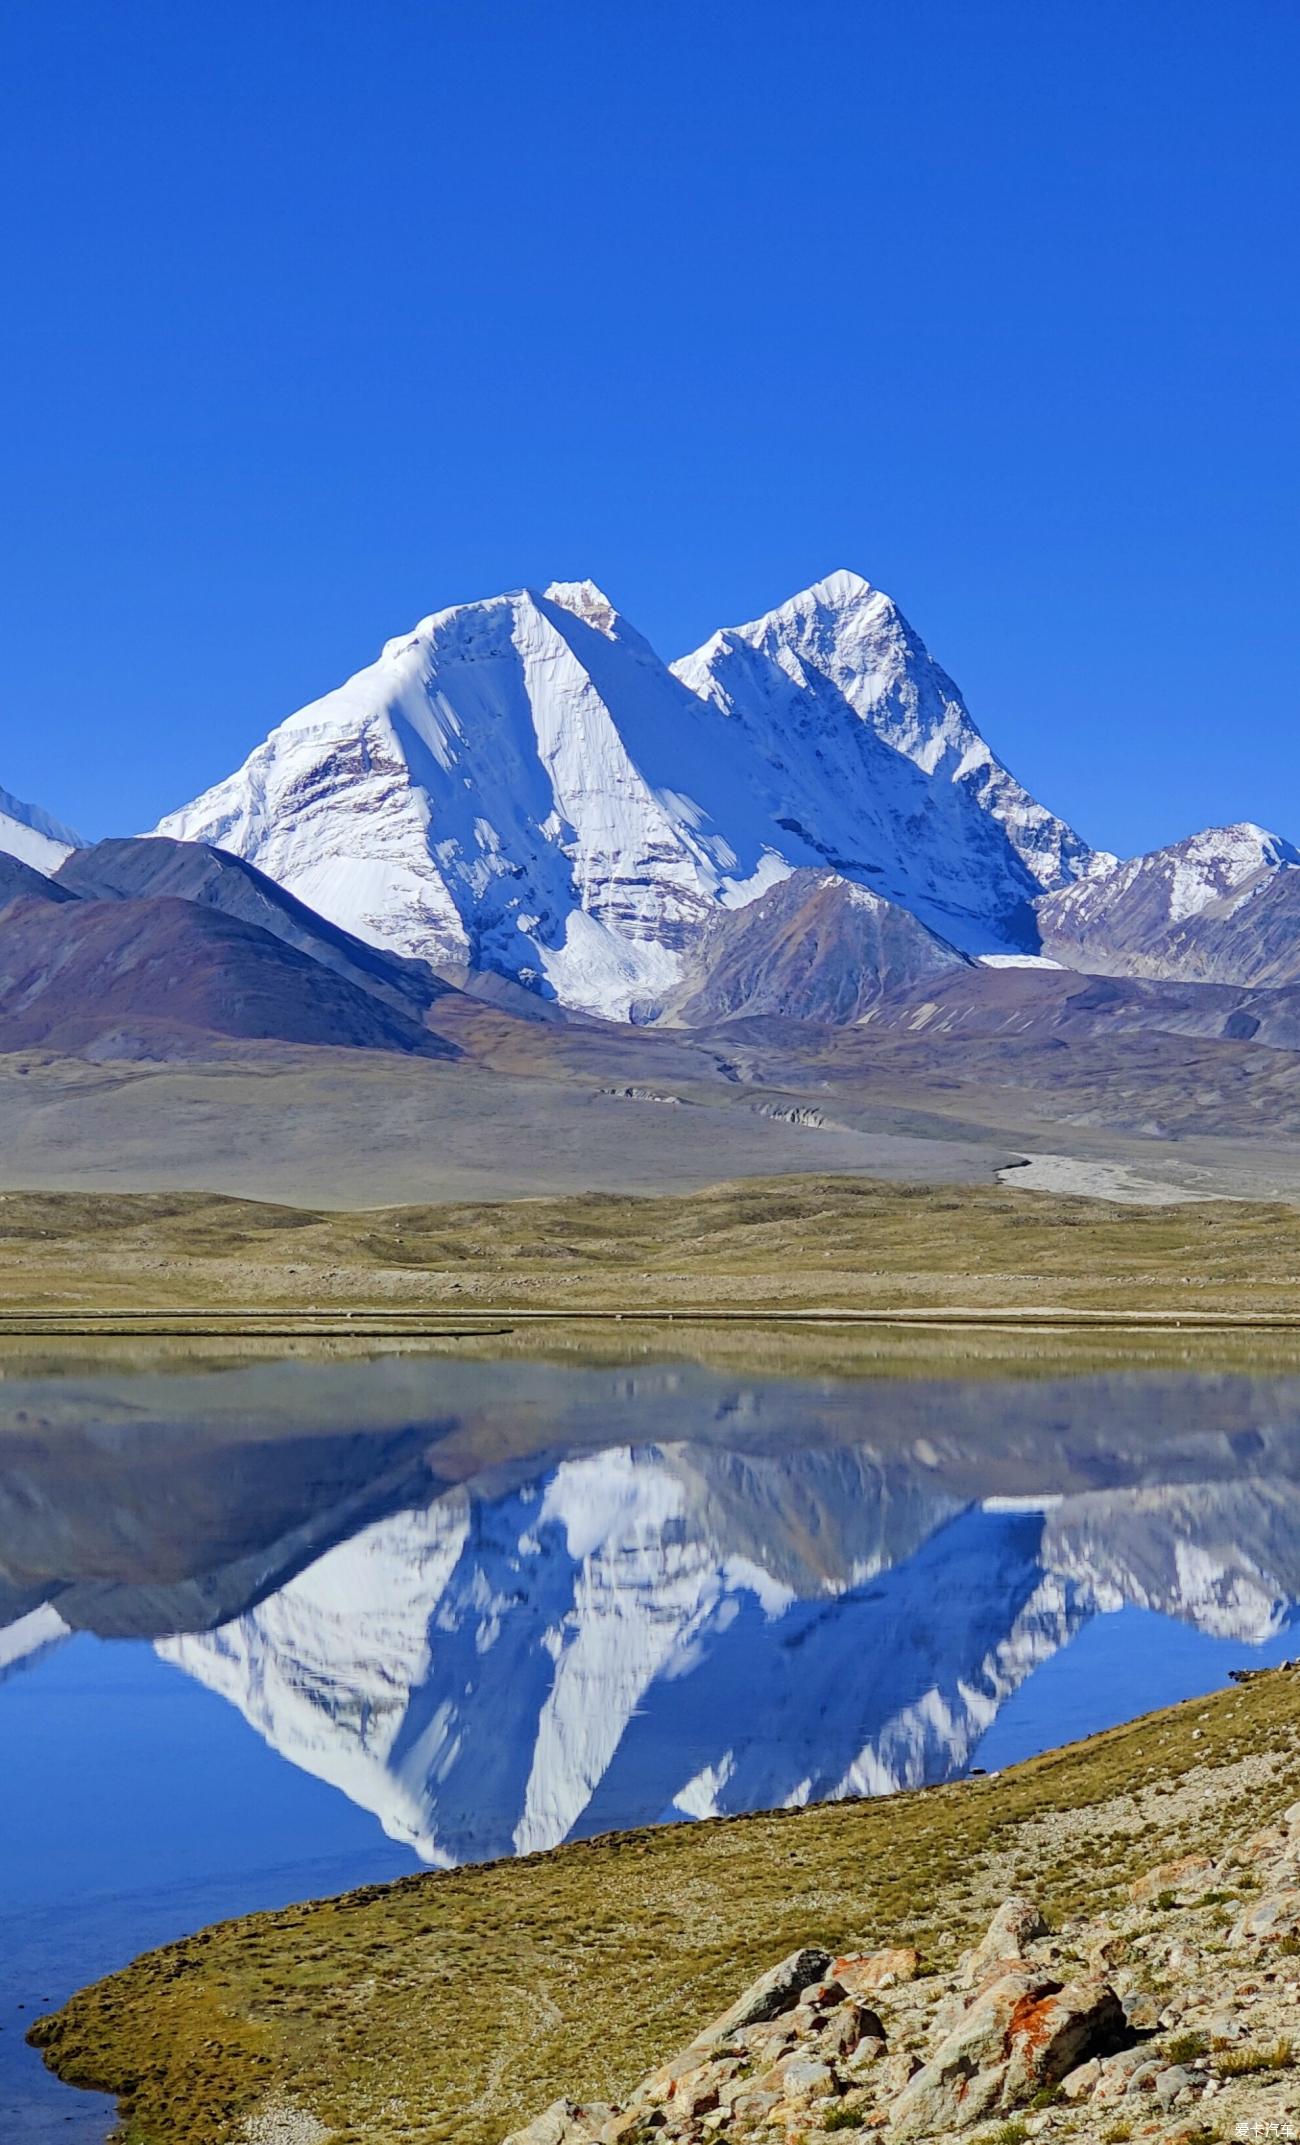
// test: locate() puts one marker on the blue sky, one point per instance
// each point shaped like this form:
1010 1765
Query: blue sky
321 316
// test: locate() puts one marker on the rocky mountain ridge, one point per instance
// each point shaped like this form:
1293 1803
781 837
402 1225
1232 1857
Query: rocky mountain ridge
1219 907
156 949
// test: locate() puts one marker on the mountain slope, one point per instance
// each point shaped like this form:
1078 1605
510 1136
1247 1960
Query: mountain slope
1164 914
192 871
814 947
155 978
1250 935
520 785
1053 1006
28 833
19 881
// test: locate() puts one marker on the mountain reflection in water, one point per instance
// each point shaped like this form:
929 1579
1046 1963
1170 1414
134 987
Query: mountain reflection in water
691 1595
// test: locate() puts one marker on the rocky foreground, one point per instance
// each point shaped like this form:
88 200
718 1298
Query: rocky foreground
1169 2019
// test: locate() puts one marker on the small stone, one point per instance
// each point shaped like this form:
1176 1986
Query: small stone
899 2071
754 2106
865 1971
938 2103
1268 1919
867 2054
1141 2011
1116 2071
565 2122
846 2026
1188 1873
821 1995
806 2078
1175 2081
1016 1923
697 2098
1142 2079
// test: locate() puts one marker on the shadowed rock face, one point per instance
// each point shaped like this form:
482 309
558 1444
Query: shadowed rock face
815 947
160 977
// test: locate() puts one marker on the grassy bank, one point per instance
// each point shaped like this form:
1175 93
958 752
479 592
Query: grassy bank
785 1245
448 2006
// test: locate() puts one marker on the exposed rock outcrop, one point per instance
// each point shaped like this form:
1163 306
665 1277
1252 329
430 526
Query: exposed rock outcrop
1169 2020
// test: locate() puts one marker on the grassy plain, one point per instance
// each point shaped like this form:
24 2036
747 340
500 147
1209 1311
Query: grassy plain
756 1248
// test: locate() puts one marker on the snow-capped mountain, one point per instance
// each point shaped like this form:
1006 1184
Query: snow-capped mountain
677 1631
865 745
521 785
1166 913
28 833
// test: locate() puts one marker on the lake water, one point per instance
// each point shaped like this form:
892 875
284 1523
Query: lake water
274 1630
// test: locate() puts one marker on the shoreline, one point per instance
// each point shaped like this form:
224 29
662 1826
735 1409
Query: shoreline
627 1942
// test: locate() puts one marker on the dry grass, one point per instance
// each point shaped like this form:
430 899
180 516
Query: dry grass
447 2007
784 1245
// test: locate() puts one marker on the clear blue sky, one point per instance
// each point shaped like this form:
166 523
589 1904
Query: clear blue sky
321 316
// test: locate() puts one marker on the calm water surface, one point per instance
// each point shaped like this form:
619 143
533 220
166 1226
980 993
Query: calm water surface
271 1631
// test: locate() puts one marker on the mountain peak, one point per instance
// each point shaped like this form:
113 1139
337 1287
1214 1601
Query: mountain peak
836 596
838 590
1242 846
586 601
838 668
1150 915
